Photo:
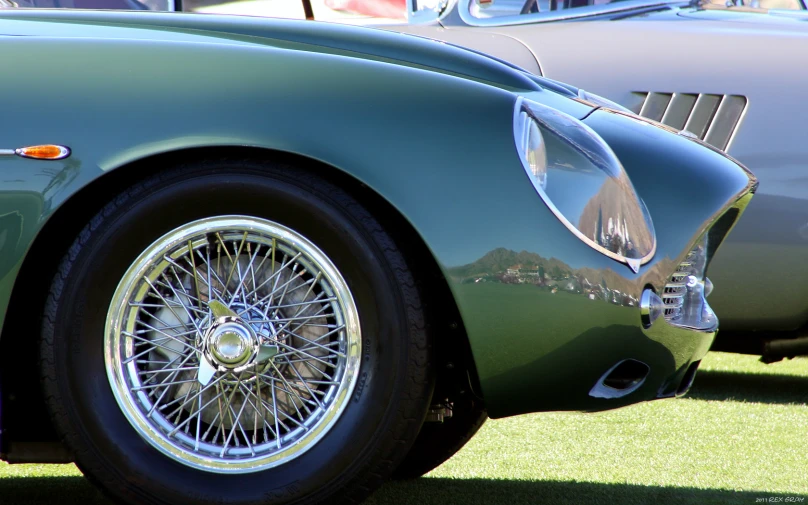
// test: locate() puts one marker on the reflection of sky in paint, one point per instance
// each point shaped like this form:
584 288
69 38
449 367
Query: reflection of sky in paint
570 186
512 235
523 232
577 166
570 190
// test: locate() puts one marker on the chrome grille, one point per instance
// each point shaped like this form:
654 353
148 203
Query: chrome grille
673 297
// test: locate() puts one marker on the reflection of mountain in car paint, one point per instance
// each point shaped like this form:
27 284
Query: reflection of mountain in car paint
505 266
608 216
590 202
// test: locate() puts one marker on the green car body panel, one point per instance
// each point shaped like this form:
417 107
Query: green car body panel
426 126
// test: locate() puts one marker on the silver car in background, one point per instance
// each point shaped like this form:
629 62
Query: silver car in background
732 75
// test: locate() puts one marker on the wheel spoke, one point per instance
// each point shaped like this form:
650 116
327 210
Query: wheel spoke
234 262
316 370
156 343
243 275
186 401
166 370
267 299
306 356
308 389
167 305
164 338
314 344
156 404
211 289
234 422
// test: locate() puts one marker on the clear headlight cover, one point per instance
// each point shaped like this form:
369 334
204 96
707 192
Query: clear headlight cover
583 183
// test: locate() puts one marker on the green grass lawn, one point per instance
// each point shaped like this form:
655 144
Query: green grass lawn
740 436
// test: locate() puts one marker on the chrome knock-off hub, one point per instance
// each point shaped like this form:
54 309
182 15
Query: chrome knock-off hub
231 343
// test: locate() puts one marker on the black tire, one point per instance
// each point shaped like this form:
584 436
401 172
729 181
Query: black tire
437 442
394 383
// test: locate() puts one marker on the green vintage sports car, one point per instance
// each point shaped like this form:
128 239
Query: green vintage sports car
251 260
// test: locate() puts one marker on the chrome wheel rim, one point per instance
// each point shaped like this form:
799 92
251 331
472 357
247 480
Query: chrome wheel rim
232 344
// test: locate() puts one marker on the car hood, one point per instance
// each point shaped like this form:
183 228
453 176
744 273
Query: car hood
364 43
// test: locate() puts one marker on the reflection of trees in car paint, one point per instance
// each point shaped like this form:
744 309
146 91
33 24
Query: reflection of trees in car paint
59 179
35 204
597 199
608 216
15 231
504 266
10 232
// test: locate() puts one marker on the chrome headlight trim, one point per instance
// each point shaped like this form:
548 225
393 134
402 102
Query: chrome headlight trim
603 162
601 101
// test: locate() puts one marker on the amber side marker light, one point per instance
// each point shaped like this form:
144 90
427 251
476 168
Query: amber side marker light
44 152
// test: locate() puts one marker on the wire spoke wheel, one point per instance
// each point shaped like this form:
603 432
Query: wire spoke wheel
261 334
232 344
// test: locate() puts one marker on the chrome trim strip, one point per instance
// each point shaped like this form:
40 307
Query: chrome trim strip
601 390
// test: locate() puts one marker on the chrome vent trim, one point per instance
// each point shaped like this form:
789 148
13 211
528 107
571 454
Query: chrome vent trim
673 297
713 118
678 295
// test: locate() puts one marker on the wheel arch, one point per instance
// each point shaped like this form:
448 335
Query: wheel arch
25 422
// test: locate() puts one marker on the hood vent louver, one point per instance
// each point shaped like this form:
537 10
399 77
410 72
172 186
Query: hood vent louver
712 118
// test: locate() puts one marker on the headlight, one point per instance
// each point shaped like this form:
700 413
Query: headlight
583 183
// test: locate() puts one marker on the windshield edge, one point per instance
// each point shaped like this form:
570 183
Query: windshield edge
463 7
